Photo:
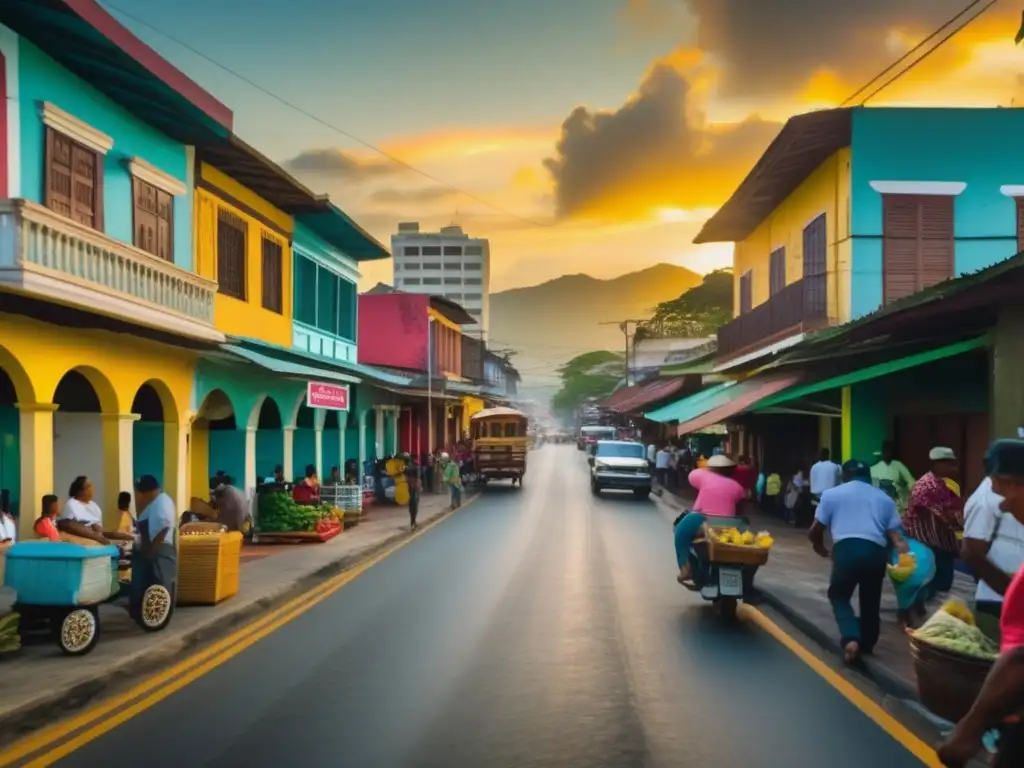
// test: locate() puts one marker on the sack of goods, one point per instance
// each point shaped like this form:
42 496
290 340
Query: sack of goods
952 628
903 568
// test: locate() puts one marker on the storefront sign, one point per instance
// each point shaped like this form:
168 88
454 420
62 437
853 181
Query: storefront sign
333 397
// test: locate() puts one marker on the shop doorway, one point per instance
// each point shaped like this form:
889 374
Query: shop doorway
78 447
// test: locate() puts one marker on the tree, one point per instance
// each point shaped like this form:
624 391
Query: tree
698 313
590 375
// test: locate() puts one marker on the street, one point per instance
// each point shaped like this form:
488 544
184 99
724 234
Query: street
537 627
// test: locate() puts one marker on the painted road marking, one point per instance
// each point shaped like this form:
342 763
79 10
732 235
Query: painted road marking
917 747
58 740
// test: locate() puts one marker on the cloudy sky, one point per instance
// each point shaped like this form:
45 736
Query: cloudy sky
579 135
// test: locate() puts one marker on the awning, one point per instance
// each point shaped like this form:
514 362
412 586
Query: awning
742 397
650 393
687 408
288 368
875 371
620 395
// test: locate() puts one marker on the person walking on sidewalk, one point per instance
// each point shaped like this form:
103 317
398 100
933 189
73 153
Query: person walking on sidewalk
824 475
892 476
453 479
412 477
863 521
661 461
934 515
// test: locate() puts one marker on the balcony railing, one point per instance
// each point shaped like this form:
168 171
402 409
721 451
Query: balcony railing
52 257
799 307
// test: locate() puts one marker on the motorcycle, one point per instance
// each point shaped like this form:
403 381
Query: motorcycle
723 584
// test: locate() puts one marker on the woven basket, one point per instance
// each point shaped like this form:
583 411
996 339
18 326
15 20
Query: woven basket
947 682
208 568
727 554
203 527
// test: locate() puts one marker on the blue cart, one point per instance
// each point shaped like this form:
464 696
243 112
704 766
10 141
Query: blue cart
61 586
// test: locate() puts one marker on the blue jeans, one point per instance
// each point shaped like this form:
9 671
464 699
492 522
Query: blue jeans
456 496
858 564
686 531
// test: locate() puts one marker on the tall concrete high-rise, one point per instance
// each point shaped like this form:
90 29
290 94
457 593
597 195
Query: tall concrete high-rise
448 263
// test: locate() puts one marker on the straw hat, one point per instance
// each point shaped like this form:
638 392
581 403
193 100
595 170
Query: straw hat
720 461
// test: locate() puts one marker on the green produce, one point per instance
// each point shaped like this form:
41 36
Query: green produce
10 637
950 633
278 513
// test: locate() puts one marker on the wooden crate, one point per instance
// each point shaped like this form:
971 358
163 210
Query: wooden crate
209 567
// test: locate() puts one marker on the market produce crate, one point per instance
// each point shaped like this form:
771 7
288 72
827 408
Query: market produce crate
729 554
947 682
209 565
57 574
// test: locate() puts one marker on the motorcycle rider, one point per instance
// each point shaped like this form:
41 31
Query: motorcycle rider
717 495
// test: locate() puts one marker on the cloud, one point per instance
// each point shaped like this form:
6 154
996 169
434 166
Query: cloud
768 49
656 151
325 162
391 195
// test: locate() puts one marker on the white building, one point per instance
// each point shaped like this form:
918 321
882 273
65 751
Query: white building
448 263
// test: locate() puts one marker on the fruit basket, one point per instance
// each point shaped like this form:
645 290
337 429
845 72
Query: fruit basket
209 565
729 546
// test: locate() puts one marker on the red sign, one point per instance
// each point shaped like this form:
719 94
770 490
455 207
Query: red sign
334 397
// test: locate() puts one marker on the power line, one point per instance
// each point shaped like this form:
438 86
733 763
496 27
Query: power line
910 53
341 131
928 53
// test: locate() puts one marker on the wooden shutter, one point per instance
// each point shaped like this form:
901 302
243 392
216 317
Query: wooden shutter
154 219
746 292
918 243
231 232
776 271
273 288
74 184
815 279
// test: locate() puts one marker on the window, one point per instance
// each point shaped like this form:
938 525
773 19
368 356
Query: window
431 280
273 279
411 250
74 180
327 301
412 281
453 281
469 266
431 250
456 265
474 250
348 309
815 278
746 291
432 265
776 271
153 219
456 297
472 281
411 267
231 254
453 250
473 297
304 299
917 243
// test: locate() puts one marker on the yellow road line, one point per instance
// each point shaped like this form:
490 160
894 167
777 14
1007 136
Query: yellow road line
178 676
922 751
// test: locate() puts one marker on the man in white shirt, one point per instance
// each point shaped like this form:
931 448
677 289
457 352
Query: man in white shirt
661 462
824 475
993 547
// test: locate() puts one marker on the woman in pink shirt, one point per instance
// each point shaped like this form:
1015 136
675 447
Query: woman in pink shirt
1001 701
717 496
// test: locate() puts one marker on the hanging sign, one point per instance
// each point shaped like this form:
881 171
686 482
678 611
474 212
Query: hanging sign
333 397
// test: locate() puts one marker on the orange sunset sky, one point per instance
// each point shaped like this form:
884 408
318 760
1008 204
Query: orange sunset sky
600 132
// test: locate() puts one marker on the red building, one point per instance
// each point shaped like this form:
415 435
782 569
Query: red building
402 331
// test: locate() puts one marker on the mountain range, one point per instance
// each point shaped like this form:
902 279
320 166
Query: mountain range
549 324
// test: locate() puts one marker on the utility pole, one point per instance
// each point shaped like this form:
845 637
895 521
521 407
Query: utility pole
624 327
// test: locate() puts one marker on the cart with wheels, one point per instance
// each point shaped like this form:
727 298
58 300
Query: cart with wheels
61 586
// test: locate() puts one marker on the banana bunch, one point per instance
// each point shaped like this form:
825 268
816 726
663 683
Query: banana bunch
902 569
960 611
10 637
736 538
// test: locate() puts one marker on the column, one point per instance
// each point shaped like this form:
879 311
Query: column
378 436
865 420
342 429
362 446
36 437
288 460
118 460
1007 374
250 461
176 463
318 450
396 414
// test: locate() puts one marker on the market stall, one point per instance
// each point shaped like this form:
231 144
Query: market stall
209 564
281 519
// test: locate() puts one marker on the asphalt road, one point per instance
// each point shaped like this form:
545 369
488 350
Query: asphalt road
539 627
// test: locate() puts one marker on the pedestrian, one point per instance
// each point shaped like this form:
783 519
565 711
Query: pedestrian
863 521
934 515
772 503
155 559
892 476
825 474
453 479
993 548
661 461
412 477
1001 699
231 506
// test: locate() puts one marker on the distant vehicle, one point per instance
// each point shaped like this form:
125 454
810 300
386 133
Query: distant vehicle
500 444
590 435
620 465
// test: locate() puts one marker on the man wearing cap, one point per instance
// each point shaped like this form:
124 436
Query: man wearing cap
863 521
155 560
934 515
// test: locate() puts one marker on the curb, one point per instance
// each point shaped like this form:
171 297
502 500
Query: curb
19 722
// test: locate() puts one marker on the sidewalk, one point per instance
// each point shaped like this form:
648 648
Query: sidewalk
40 683
795 583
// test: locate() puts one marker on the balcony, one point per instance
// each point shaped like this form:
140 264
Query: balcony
50 257
800 307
